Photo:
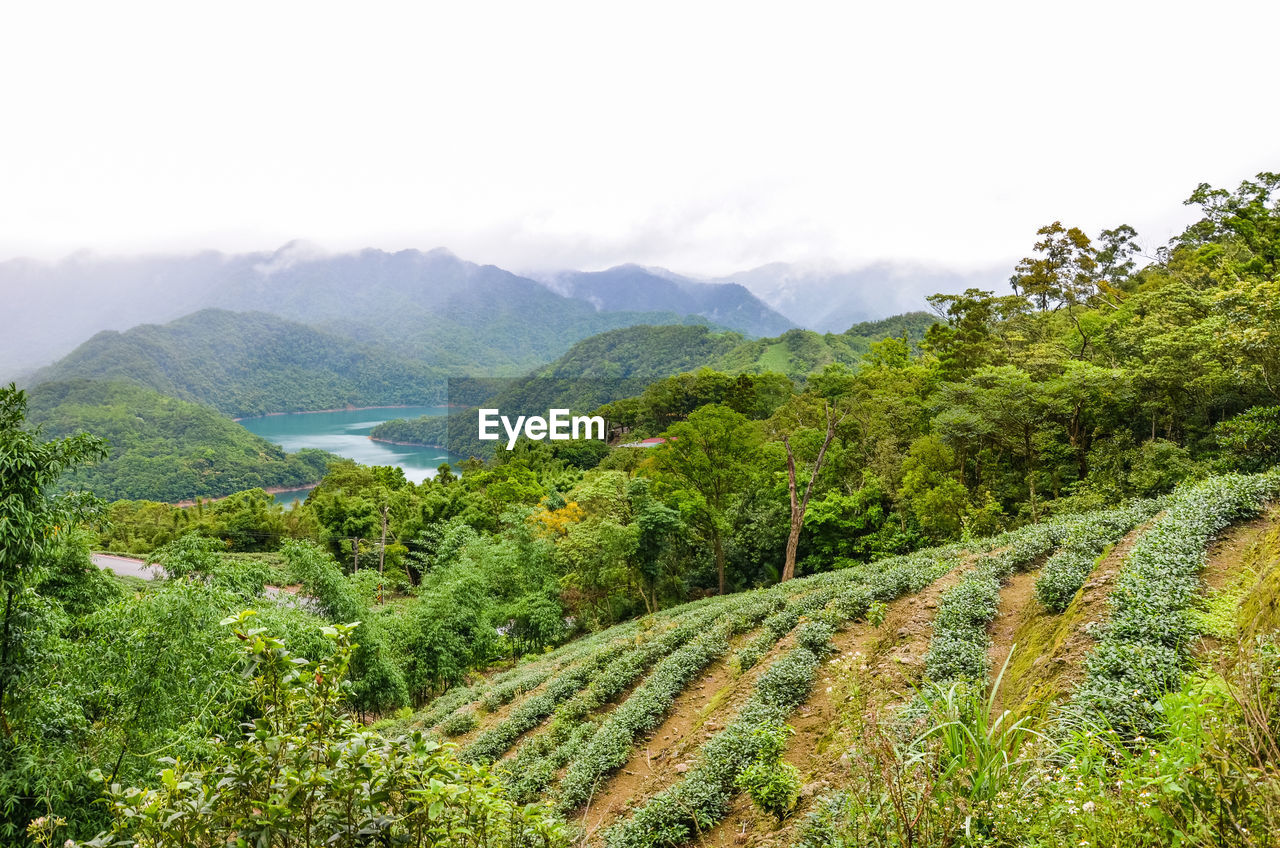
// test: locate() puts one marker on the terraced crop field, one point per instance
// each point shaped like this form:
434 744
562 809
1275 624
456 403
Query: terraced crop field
641 734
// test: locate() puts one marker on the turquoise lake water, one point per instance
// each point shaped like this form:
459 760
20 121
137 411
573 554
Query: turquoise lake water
346 434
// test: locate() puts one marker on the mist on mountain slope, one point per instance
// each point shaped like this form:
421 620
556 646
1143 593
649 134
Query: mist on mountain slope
830 299
434 305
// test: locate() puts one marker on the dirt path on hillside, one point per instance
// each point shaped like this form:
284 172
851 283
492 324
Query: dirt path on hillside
660 758
1226 555
888 659
1229 566
1051 648
1017 599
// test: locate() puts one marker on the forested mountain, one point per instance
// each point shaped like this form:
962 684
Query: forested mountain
456 315
639 289
613 364
251 363
829 298
622 363
162 448
596 370
798 353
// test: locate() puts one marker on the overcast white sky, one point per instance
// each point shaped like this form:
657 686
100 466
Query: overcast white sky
703 136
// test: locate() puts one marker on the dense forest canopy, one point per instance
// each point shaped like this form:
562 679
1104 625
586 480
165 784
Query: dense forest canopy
245 364
164 448
627 363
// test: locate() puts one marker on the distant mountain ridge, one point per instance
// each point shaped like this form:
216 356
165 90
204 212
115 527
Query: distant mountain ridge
458 315
636 288
461 315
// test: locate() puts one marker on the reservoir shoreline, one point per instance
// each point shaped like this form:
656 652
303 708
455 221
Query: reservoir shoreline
410 444
336 409
270 490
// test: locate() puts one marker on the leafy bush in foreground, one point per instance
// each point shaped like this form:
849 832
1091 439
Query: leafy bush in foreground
305 773
772 784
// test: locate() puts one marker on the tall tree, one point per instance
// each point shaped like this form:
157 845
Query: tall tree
807 426
710 454
1064 271
968 340
31 517
1008 407
1115 263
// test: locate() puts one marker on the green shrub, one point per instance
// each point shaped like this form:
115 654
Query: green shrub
816 636
772 784
1087 537
306 773
459 723
1251 440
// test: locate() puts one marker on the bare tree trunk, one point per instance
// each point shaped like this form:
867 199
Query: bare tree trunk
644 596
793 542
719 548
800 506
1031 479
382 551
4 659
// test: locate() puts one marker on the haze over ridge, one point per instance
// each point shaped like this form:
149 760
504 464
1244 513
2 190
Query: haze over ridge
58 305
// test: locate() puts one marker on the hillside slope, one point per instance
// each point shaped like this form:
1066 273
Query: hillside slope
245 364
640 733
162 448
621 363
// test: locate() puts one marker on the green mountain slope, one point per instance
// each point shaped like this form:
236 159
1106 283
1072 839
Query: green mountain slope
596 370
621 363
615 364
162 448
452 313
798 353
250 364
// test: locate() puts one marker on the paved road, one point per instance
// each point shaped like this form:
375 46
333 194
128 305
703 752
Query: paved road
126 566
